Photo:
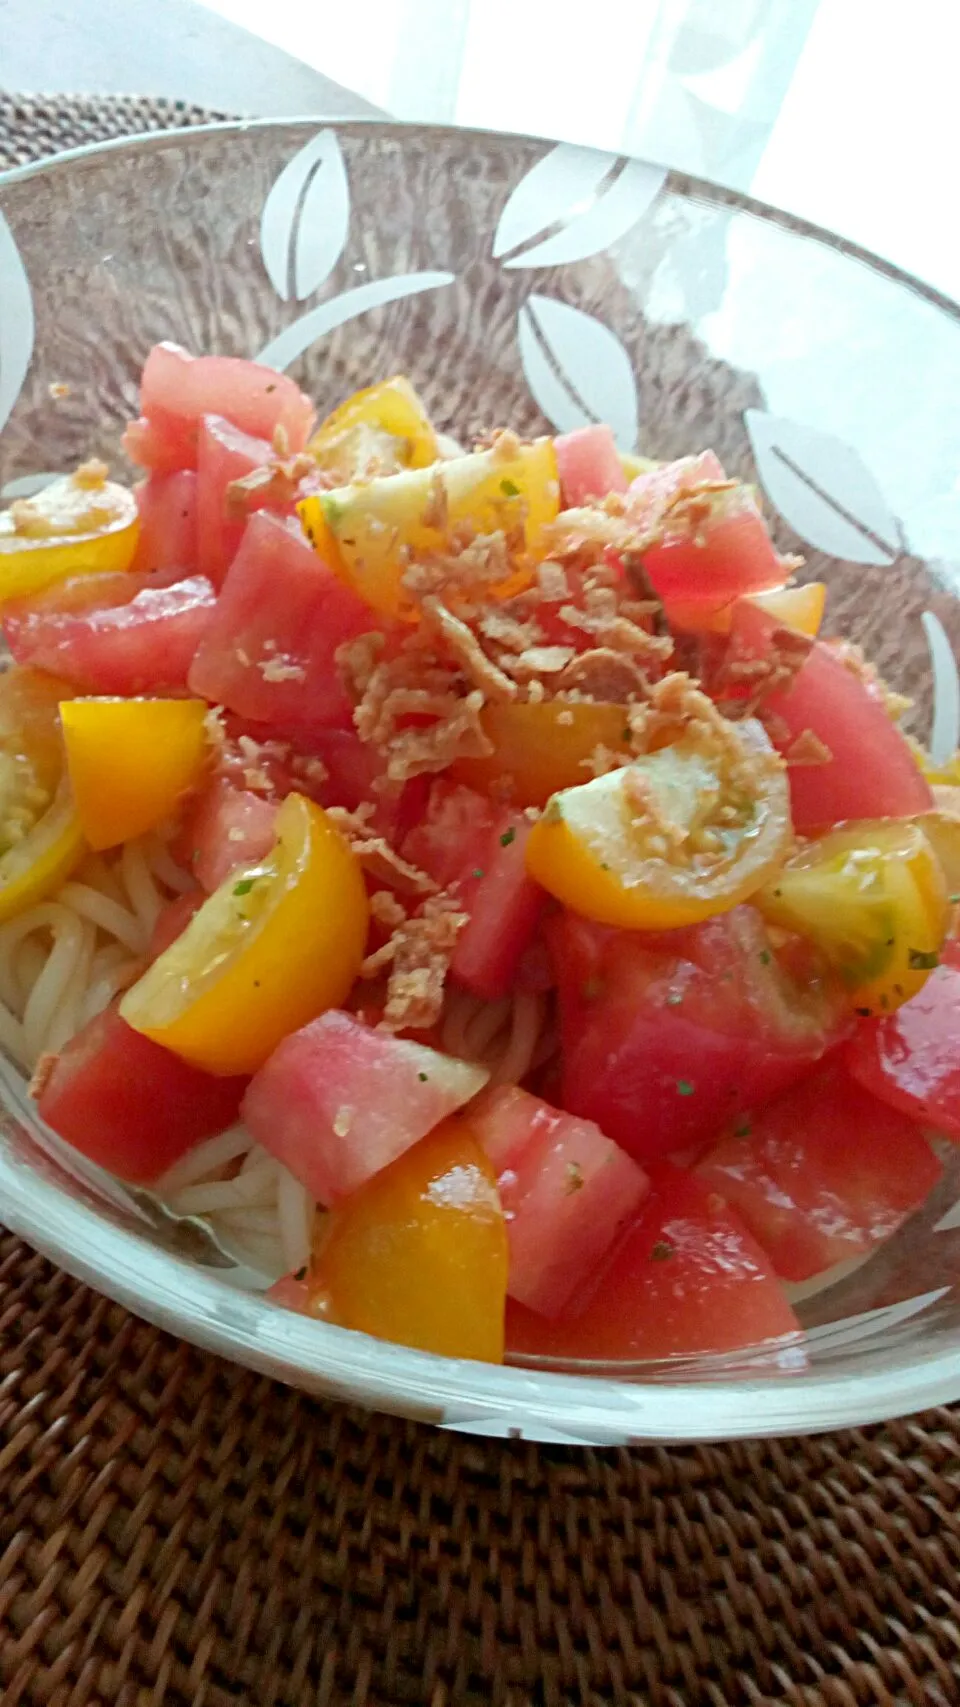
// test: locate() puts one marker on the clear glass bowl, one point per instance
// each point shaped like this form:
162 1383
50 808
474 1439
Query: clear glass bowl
542 287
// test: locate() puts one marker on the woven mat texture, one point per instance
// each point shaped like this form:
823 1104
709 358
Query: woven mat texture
175 1530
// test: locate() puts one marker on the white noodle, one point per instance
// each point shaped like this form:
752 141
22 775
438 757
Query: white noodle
526 1024
510 1037
145 897
12 1039
205 1160
97 874
115 920
255 1188
165 868
295 1215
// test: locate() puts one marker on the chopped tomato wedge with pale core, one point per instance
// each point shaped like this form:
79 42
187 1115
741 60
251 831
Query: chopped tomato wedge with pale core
685 1277
484 835
823 1173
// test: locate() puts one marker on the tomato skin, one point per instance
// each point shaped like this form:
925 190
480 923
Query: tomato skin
666 1035
279 606
686 1277
566 1192
655 488
337 1101
224 454
872 772
168 523
419 1254
129 1104
824 1173
177 389
291 1292
588 464
736 557
225 828
911 1058
468 843
142 639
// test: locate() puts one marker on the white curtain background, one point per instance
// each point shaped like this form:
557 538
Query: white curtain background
843 111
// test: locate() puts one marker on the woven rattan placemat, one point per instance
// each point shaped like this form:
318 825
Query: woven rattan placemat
176 1530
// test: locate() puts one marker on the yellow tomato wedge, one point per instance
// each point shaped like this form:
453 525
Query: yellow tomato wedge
944 775
941 827
40 836
270 949
678 834
796 607
539 749
873 900
82 524
131 761
379 524
376 431
419 1254
33 868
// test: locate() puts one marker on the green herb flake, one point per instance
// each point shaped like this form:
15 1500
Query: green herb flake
244 886
953 899
742 1129
684 1088
922 960
422 1077
477 871
574 1177
663 1251
508 837
510 489
765 957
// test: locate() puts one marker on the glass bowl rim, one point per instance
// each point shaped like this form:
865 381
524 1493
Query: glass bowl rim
192 1303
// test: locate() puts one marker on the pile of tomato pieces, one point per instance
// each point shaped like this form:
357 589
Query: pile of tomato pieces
725 1115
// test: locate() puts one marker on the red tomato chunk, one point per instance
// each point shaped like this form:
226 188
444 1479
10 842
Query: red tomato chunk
131 634
469 843
566 1191
269 651
129 1104
911 1058
177 390
732 556
665 1035
824 1173
336 1101
168 523
871 773
224 454
588 464
226 827
686 1277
